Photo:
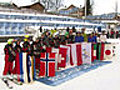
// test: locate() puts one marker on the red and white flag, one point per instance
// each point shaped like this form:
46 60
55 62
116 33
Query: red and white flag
75 54
68 54
108 51
62 57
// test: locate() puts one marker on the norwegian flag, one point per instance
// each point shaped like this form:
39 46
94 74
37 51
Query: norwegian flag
47 64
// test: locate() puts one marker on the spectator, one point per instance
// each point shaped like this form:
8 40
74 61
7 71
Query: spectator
103 37
94 38
84 35
117 34
108 34
112 33
79 37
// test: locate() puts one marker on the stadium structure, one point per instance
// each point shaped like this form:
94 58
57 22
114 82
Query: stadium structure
15 22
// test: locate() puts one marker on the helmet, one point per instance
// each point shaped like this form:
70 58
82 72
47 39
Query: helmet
10 41
26 36
25 39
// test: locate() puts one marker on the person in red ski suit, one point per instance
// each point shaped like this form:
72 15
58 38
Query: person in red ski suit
9 57
35 51
26 46
18 50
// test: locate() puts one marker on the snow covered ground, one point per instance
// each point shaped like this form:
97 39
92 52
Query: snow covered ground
106 77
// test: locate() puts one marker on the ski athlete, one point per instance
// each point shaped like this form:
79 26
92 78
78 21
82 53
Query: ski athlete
9 57
18 50
35 51
26 44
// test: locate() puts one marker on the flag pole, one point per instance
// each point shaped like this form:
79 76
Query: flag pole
85 8
116 8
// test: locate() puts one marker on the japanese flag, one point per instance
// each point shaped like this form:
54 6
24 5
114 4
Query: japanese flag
108 51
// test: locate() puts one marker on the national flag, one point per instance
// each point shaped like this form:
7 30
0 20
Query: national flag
100 51
108 51
27 73
94 52
47 64
86 53
75 54
73 57
23 67
68 54
62 57
31 64
97 51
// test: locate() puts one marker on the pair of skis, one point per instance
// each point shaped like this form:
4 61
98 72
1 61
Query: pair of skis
7 83
15 81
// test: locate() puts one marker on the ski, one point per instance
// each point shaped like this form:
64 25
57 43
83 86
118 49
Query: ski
7 84
15 81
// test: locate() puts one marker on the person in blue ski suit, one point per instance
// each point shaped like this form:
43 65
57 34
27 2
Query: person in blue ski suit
79 37
92 38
